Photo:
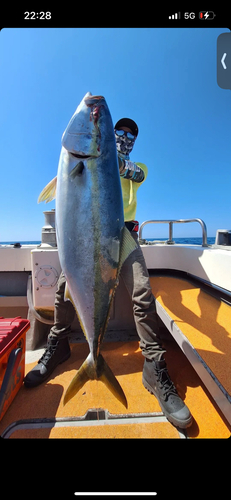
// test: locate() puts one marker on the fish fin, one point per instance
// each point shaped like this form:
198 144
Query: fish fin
49 192
128 245
109 379
67 295
89 370
77 382
77 170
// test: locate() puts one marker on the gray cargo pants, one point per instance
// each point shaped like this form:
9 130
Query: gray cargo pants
136 279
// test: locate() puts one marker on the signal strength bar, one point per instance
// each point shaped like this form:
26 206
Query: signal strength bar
175 16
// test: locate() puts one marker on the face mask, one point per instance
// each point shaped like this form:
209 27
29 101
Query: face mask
124 145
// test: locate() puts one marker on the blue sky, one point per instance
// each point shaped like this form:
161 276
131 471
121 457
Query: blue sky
165 79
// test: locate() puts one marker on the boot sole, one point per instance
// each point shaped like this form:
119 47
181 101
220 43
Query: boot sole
30 385
182 424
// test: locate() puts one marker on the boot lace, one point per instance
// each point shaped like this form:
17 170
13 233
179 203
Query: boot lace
166 384
47 355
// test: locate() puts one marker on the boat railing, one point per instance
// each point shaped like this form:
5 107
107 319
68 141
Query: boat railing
171 222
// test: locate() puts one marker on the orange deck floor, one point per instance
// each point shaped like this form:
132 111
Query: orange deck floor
203 319
126 361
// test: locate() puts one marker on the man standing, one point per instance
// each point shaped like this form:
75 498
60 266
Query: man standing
134 273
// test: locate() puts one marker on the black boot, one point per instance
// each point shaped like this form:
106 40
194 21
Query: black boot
57 352
156 380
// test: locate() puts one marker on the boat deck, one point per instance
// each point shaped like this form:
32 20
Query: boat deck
203 325
126 361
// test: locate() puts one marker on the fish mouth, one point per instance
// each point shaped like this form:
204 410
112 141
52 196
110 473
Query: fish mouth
90 100
81 156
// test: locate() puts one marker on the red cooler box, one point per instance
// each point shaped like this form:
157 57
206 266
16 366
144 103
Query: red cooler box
12 358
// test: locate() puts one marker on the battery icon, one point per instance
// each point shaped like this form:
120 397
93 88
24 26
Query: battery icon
206 14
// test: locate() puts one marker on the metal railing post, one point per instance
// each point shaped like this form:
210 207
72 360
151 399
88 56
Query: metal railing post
179 221
170 241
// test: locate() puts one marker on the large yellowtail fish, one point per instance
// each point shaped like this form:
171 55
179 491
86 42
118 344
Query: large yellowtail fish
92 240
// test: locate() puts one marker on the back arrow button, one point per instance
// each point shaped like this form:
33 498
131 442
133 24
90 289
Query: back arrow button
223 60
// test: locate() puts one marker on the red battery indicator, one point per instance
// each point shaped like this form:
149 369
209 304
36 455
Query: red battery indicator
206 14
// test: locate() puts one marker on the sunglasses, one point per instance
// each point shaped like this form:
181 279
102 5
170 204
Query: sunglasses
121 133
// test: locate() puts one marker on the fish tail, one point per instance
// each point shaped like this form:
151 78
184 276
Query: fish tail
109 379
98 370
77 382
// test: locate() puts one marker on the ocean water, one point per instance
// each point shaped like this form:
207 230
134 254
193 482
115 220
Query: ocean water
21 242
187 241
184 241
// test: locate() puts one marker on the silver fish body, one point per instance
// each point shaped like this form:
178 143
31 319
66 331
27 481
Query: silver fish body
90 230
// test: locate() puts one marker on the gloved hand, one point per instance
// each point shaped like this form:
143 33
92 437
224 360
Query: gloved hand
121 163
130 170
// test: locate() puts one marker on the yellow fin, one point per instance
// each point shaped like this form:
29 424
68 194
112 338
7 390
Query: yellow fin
77 383
67 294
128 245
91 370
49 192
109 379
